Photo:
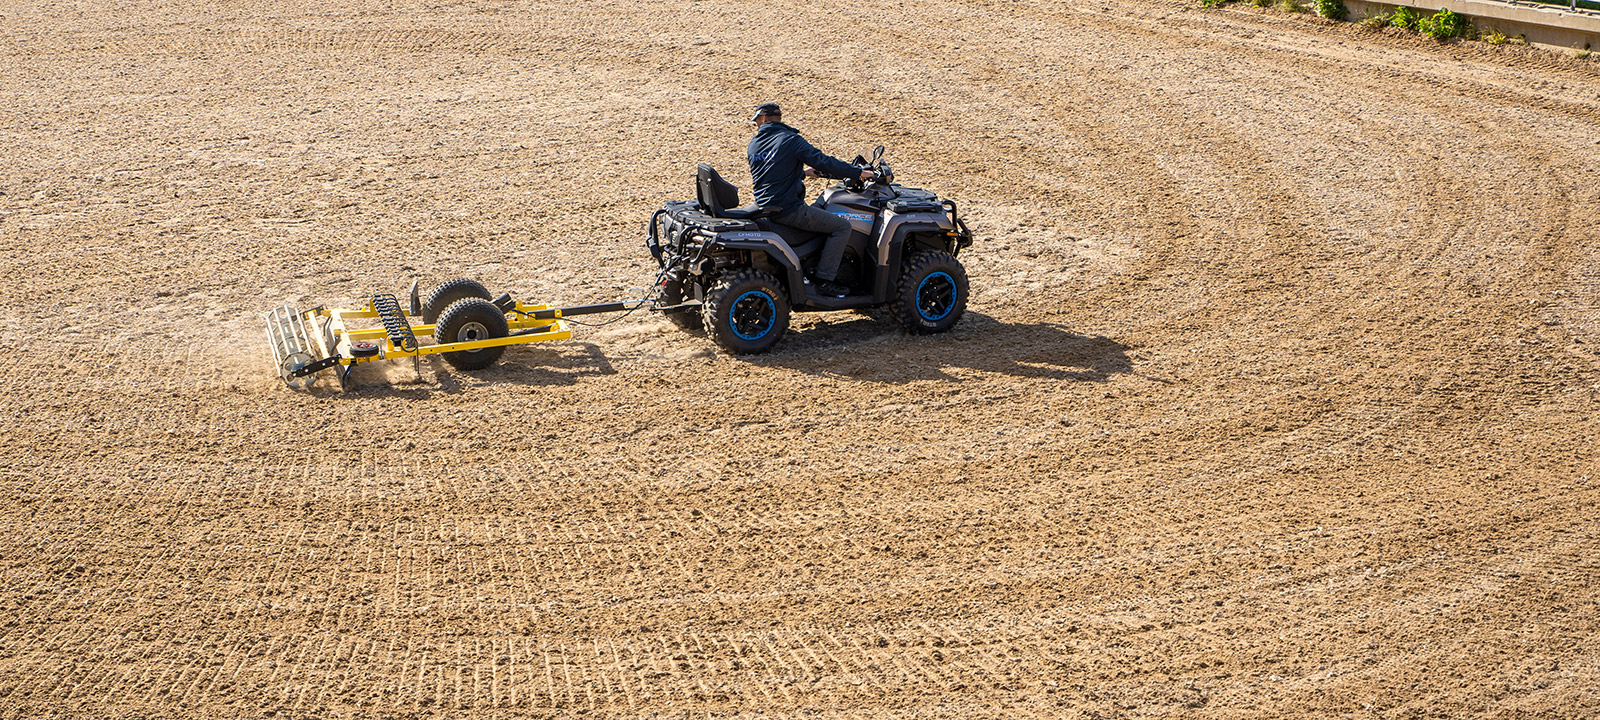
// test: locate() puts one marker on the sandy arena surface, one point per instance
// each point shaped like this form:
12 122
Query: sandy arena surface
1276 396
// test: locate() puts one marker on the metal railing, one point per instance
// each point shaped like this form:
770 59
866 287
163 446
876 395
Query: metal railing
1573 5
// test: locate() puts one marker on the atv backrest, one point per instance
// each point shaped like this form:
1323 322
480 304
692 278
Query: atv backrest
715 194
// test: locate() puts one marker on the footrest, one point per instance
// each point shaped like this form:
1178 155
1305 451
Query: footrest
394 322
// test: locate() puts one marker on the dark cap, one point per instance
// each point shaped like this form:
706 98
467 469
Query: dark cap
770 109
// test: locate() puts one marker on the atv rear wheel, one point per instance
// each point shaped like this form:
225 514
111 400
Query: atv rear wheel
685 319
672 294
447 293
746 312
469 320
932 294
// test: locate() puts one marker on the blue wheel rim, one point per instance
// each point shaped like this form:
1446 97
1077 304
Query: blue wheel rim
936 296
753 315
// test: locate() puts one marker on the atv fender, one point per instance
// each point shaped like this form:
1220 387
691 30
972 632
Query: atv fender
896 227
892 243
774 247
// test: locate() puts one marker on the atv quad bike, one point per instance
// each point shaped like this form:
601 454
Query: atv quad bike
736 273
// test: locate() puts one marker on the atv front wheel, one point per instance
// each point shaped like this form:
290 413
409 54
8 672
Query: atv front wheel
932 294
746 312
470 320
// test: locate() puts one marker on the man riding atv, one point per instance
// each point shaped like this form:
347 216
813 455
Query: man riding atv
738 275
778 167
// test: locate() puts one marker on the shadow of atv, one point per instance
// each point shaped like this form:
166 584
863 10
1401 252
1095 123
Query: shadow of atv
872 350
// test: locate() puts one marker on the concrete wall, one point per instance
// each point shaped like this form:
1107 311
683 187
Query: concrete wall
1546 25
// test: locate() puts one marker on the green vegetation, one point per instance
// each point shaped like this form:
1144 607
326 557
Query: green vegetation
1440 26
1294 6
1445 25
1495 37
1375 21
1405 18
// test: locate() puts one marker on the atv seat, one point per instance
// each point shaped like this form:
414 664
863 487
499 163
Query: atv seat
719 198
803 242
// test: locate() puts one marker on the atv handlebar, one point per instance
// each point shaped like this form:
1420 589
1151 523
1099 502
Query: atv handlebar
880 174
880 170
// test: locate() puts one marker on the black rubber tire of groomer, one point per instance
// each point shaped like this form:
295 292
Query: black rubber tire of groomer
447 293
467 320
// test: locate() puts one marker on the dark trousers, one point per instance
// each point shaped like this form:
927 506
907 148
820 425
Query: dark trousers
812 219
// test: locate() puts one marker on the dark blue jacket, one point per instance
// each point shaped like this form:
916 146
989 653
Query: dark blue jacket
778 157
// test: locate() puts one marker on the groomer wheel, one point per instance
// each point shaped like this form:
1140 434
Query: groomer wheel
447 293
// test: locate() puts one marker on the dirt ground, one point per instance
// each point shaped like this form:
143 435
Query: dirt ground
1276 396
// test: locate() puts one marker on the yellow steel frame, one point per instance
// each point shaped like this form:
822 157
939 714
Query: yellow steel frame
335 335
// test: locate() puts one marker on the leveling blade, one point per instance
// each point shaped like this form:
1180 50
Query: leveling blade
291 345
